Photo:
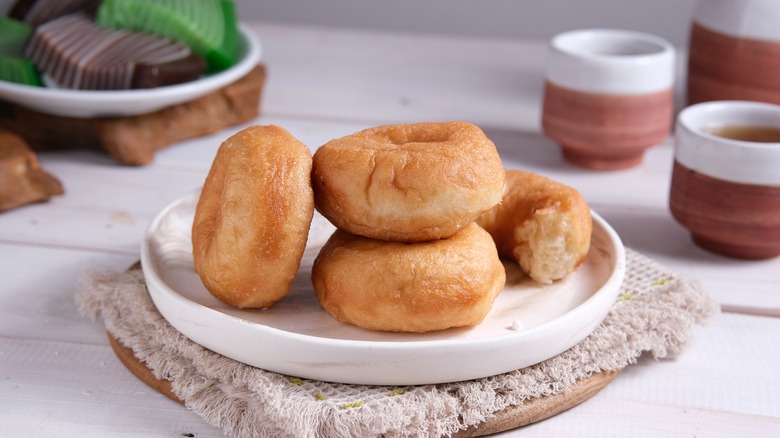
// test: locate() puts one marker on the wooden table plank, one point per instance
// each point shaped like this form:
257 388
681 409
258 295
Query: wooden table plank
38 286
401 78
687 395
66 389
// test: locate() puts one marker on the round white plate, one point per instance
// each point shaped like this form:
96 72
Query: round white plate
528 323
99 103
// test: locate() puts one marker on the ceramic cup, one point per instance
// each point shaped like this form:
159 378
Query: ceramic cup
726 191
734 51
608 96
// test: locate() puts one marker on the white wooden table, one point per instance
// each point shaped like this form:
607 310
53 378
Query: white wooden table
59 377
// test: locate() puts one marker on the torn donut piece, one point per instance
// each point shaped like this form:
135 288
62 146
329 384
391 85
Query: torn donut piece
542 224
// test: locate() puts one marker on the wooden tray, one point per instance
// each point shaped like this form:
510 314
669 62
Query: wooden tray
132 140
510 418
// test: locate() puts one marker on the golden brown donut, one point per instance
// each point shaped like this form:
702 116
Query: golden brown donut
409 287
253 217
408 183
542 224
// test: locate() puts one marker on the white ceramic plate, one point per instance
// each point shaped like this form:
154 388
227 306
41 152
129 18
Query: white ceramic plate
296 337
96 103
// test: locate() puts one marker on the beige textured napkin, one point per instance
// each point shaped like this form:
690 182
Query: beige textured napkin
655 313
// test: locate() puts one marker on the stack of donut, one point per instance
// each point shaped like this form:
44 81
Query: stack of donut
407 255
422 212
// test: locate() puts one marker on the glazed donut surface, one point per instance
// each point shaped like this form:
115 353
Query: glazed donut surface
409 183
253 217
401 287
544 225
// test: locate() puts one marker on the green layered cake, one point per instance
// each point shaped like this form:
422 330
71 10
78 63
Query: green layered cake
209 27
14 67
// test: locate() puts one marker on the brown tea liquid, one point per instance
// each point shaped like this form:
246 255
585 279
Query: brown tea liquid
758 134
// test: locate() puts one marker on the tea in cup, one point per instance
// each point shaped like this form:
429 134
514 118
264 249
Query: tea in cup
725 185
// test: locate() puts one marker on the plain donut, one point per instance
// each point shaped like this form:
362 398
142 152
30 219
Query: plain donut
409 287
253 217
408 182
542 224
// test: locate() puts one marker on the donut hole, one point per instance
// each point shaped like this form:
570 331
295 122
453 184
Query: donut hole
400 136
408 183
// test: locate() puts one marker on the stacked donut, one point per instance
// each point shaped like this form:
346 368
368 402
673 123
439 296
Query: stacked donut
422 213
407 255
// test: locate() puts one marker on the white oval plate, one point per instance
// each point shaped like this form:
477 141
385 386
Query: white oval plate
296 337
98 103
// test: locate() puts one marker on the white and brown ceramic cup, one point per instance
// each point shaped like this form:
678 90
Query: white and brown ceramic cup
608 96
726 191
734 51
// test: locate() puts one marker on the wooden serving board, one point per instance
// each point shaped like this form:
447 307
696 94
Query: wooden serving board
510 418
133 140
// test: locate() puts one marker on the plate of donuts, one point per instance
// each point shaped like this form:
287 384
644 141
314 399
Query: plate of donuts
528 323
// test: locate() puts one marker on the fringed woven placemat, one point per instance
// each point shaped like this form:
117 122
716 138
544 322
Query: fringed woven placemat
655 313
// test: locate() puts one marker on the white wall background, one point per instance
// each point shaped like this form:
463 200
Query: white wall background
534 19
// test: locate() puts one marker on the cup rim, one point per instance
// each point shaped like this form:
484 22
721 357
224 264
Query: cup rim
738 161
562 42
685 115
595 61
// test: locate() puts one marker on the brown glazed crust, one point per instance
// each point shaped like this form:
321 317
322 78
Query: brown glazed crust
542 224
409 287
253 217
408 183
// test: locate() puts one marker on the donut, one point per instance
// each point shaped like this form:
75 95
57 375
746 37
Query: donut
252 219
409 287
544 225
407 182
